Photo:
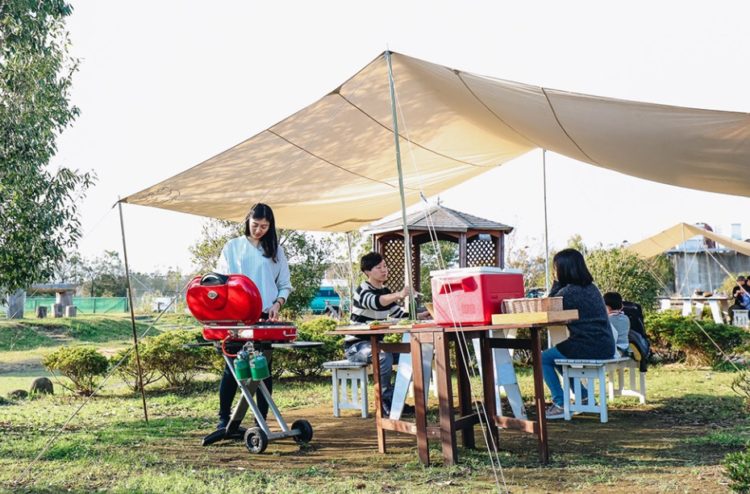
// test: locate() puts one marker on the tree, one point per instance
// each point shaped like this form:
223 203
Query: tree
529 263
636 279
72 269
576 242
214 234
344 266
38 207
308 259
106 276
432 258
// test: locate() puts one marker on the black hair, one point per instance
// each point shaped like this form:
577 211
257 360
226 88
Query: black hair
369 261
269 241
613 300
571 268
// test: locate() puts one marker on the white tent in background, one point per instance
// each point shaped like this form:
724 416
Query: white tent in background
678 234
331 166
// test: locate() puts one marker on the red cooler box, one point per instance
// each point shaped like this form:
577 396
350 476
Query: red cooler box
469 296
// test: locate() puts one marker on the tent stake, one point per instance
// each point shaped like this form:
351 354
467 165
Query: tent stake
407 238
132 314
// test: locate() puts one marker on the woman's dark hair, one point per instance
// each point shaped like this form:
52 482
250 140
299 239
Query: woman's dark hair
571 268
269 241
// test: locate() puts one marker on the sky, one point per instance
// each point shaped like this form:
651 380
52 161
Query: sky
164 85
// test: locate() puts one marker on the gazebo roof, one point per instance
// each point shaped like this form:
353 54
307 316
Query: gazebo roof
442 219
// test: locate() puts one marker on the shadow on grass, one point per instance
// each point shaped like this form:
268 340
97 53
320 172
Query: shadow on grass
656 438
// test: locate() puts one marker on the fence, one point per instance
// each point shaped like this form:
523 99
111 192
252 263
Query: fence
85 305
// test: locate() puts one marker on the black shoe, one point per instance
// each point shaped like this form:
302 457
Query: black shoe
223 423
408 410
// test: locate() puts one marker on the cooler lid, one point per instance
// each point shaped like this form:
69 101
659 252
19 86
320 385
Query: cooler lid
475 270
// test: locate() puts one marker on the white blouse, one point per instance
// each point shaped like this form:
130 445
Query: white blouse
239 256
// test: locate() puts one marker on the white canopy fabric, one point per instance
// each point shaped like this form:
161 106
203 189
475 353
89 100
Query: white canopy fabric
678 234
332 166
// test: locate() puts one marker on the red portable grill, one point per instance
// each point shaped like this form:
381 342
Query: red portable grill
230 307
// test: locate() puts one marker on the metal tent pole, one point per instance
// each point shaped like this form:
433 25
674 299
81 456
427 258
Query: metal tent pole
407 239
132 313
351 274
546 231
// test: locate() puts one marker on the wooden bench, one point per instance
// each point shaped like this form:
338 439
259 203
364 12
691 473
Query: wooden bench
349 386
594 372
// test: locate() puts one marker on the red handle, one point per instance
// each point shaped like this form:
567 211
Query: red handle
458 284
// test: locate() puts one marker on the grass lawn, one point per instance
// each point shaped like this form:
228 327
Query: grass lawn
674 443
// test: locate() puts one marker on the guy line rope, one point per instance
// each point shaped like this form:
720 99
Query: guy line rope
57 434
461 339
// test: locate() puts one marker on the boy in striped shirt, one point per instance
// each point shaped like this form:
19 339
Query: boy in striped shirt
373 301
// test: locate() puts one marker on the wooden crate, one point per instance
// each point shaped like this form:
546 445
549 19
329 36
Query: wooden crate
544 304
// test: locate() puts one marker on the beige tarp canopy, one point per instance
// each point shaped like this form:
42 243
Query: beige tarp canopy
678 234
331 166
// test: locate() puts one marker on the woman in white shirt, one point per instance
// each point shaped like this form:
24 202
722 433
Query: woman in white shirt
258 256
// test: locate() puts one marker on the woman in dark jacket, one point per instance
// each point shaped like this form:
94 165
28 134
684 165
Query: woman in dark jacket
590 337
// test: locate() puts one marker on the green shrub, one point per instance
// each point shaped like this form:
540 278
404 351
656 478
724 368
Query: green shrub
168 355
128 369
308 361
82 365
741 386
636 279
737 469
669 331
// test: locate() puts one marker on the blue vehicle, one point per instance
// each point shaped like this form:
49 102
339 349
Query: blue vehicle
323 295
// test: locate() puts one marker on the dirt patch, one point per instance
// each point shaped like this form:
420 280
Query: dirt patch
587 456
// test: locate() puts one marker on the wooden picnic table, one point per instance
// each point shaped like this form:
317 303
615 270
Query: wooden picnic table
465 417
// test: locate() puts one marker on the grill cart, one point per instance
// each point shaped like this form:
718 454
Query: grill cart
229 307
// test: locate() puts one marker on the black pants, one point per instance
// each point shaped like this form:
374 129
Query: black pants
228 388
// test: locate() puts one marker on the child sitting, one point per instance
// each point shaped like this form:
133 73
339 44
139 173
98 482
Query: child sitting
619 321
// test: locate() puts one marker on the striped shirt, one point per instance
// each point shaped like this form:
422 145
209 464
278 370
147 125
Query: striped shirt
366 305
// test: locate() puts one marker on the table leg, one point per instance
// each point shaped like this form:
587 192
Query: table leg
536 354
420 405
716 311
464 395
378 399
488 384
445 400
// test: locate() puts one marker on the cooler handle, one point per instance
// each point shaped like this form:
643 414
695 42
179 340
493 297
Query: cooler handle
214 279
450 285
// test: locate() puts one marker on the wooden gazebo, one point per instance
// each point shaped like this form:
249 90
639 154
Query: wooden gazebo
480 242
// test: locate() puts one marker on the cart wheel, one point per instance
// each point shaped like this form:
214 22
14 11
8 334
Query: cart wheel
256 440
305 431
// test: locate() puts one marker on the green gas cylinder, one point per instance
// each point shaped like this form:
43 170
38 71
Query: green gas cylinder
259 368
242 366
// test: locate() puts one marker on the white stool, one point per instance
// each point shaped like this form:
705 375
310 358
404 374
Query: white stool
591 371
740 318
617 385
349 386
